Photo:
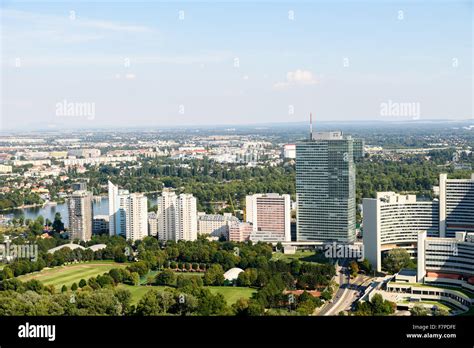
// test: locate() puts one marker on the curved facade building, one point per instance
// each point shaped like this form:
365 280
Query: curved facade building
447 261
394 221
457 205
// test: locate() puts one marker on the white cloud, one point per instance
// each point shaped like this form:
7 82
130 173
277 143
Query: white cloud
297 77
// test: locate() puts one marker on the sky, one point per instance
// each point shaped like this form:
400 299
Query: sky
159 63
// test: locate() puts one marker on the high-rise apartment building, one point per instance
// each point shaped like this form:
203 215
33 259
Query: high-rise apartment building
325 188
270 215
80 215
128 213
166 214
136 216
177 216
152 224
186 219
117 210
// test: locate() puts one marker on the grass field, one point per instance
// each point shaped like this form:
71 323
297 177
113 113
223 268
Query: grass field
68 274
232 293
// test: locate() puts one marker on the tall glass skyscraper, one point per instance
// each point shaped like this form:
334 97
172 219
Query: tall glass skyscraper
325 188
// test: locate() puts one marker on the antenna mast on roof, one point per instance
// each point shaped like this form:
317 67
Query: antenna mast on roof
310 126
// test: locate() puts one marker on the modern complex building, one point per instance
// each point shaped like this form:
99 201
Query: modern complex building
215 225
456 205
128 213
80 215
177 216
394 221
325 188
270 216
446 261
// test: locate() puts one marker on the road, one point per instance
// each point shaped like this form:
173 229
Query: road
347 293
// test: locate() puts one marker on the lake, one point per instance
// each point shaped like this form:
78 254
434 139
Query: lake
99 207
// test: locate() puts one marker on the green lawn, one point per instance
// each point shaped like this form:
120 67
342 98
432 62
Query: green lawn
68 274
232 293
302 255
138 290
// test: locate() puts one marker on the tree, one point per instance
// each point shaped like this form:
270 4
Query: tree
397 259
214 275
58 225
82 283
166 277
155 303
7 273
354 268
64 288
135 278
74 286
418 310
247 307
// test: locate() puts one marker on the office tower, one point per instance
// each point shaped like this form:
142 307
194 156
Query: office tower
186 219
136 216
456 208
215 225
359 148
177 216
166 215
128 213
325 188
270 215
80 215
394 221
